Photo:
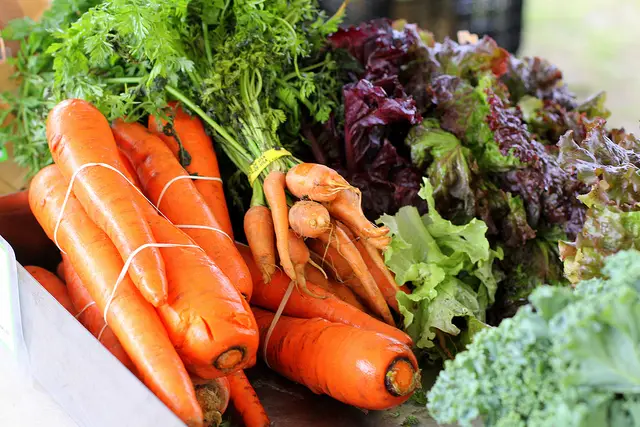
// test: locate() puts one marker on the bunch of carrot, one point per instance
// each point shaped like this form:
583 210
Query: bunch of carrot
153 272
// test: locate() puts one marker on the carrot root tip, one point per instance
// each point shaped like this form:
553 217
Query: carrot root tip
401 378
230 358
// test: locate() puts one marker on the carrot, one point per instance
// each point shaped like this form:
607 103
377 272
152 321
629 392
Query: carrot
340 240
316 182
207 319
132 319
345 207
309 219
338 289
130 171
246 402
79 134
213 396
332 260
385 281
300 258
269 296
52 284
258 227
355 366
88 313
181 203
60 271
274 193
190 133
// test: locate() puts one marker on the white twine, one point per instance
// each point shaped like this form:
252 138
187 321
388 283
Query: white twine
177 178
203 227
275 319
84 309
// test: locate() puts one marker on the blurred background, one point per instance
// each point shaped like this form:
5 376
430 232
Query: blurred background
596 43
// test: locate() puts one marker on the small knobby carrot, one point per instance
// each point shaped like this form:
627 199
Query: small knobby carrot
340 240
300 258
181 202
316 182
52 284
213 397
202 158
258 227
88 313
355 366
208 321
345 207
246 402
60 271
79 134
274 193
309 219
133 320
269 296
338 289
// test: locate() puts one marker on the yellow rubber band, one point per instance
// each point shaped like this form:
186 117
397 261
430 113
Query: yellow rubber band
268 157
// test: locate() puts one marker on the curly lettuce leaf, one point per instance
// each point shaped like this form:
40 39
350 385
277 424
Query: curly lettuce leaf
450 268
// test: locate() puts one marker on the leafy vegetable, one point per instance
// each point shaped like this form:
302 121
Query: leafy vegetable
572 358
613 218
23 121
450 268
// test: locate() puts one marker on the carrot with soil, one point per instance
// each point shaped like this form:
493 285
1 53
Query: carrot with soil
258 228
78 135
246 402
133 320
88 313
188 134
52 284
375 372
339 239
180 201
274 186
316 182
213 397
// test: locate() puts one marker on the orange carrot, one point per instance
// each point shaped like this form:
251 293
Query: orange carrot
202 159
317 182
300 258
345 207
213 396
130 171
374 371
340 240
258 227
274 193
181 202
79 134
338 289
332 260
269 296
53 285
208 321
132 319
246 402
88 313
60 271
309 219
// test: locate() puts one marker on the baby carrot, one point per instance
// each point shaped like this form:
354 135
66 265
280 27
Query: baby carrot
355 366
202 158
300 258
132 319
258 227
273 187
53 285
309 219
88 313
246 402
316 182
79 134
181 201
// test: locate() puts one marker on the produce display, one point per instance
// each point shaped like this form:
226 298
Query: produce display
235 180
